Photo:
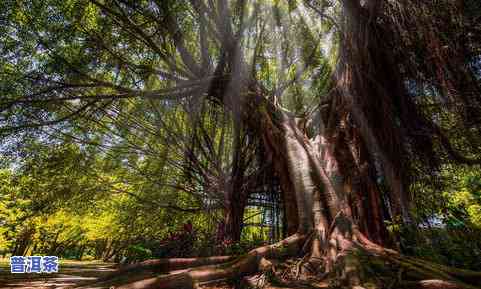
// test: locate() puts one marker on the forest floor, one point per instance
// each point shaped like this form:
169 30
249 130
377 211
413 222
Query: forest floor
70 273
83 275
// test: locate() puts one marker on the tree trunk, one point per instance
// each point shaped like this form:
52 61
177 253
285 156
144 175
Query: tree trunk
234 217
329 181
80 252
337 245
23 242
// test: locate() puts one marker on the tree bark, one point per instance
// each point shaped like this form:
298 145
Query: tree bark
234 217
326 222
329 181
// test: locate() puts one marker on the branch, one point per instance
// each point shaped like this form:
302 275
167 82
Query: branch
452 152
72 115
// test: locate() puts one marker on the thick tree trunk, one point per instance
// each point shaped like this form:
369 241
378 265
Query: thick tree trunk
327 227
329 181
291 219
368 84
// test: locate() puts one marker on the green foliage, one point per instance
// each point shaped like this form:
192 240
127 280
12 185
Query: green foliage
100 167
464 207
450 223
71 202
137 253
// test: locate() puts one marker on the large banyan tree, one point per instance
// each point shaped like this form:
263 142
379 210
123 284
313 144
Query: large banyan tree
349 103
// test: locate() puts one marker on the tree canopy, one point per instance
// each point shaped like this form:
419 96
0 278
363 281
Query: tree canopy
157 128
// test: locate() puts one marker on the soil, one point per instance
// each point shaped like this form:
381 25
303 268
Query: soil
71 273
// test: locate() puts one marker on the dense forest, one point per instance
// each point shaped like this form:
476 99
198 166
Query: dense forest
244 143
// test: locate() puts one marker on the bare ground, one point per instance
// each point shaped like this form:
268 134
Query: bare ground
72 273
89 274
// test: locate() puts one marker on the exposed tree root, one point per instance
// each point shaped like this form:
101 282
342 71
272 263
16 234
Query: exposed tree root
431 284
244 265
362 268
351 260
369 266
169 264
348 260
354 262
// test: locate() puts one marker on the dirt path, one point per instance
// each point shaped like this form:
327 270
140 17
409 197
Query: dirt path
71 273
83 274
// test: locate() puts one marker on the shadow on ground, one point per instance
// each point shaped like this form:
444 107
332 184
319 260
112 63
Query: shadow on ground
71 273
